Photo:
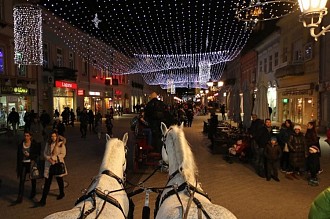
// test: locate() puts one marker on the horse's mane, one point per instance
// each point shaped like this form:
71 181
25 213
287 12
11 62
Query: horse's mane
184 155
113 147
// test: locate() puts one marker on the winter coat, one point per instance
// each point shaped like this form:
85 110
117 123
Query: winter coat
297 149
53 151
320 208
34 154
37 131
263 136
284 135
273 153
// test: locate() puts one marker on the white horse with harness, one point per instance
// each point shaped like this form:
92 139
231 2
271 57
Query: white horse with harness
106 196
183 196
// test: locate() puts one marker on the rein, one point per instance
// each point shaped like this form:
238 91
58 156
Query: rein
106 197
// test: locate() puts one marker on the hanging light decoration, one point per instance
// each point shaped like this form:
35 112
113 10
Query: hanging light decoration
28 34
158 35
204 70
254 11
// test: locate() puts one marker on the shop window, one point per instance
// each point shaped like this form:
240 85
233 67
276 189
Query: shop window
59 57
2 67
276 59
45 53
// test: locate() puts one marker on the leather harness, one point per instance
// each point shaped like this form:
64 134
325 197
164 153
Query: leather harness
106 197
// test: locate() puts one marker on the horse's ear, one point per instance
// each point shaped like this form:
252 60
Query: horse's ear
163 128
125 138
181 125
107 137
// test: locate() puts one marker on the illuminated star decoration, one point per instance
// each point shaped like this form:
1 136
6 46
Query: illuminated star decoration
96 21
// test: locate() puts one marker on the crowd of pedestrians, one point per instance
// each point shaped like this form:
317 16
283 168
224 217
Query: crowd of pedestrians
296 154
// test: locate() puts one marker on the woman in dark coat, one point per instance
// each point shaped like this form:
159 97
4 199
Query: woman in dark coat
313 148
28 150
297 148
283 139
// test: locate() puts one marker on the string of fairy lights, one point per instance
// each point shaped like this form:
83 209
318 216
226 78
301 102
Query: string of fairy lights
176 43
27 35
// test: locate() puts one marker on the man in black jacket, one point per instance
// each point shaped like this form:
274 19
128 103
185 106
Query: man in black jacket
13 119
263 136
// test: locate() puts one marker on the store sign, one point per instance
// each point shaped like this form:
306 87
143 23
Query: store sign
64 84
118 92
14 90
94 93
81 92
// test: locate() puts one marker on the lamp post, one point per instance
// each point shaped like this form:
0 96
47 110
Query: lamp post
312 12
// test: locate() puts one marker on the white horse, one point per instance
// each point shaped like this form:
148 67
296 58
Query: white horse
105 197
183 196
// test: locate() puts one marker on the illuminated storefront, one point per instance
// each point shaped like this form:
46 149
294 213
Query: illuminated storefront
14 96
298 105
93 101
64 95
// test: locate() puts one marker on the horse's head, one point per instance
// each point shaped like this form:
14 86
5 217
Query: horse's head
115 155
176 152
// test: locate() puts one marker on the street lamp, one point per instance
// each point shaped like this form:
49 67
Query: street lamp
312 14
209 83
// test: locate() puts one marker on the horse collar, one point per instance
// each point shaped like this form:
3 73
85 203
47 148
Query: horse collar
111 174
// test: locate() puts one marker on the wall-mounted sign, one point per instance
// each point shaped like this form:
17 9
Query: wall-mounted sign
14 90
94 93
118 92
65 84
81 92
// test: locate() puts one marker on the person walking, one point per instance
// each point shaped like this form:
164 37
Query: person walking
28 150
13 119
98 124
55 151
37 130
83 123
109 125
223 111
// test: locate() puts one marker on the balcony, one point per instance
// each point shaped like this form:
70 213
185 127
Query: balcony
290 70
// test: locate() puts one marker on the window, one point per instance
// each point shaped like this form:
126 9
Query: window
270 64
298 51
308 52
2 63
84 67
285 54
276 59
59 57
2 14
45 53
260 66
21 70
265 65
71 60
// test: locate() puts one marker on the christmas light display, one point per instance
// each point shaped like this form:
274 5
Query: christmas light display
27 34
154 36
263 10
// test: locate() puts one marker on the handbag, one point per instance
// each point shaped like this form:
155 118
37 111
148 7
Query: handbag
286 148
36 169
59 167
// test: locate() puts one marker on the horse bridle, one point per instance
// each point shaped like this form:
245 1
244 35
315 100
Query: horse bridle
105 196
184 186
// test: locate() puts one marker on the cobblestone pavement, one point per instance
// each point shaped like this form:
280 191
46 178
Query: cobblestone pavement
234 186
